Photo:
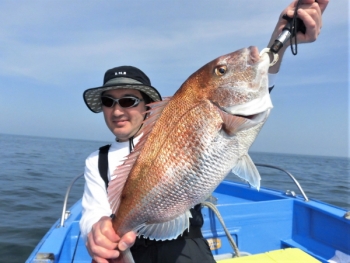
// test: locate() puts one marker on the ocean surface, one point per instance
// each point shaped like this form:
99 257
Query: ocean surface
35 173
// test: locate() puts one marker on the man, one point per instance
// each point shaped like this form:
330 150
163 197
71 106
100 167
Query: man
123 99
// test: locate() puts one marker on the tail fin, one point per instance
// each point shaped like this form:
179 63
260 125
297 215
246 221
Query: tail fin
127 256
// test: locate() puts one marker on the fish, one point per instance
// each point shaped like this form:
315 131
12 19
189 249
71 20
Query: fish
190 142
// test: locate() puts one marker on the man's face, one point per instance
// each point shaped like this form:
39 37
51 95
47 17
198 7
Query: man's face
124 122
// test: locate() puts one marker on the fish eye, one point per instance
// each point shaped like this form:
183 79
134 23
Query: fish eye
220 70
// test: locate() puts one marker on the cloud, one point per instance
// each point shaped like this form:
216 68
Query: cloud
62 36
56 49
66 36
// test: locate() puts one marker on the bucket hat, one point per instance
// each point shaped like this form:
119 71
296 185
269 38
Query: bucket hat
123 77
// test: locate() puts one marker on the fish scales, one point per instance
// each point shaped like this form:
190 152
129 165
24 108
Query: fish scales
190 144
165 178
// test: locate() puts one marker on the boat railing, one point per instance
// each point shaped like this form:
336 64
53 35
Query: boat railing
66 213
289 174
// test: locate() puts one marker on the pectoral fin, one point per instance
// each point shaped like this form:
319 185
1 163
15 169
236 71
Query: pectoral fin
246 169
167 230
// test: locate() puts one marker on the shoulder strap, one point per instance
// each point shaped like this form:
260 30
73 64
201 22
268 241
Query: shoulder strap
103 163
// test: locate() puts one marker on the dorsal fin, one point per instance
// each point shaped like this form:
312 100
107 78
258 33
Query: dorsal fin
122 172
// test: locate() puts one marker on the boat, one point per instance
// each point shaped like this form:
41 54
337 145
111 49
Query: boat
241 225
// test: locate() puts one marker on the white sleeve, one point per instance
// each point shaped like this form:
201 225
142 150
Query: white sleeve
95 201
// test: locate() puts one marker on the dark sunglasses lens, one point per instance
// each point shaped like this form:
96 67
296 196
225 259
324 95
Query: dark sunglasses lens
127 102
107 102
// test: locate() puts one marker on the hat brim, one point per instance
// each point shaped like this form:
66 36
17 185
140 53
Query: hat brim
92 97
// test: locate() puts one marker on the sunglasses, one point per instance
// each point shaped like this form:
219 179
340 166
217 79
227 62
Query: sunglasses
125 102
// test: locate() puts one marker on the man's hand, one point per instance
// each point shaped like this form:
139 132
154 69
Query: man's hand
103 243
310 11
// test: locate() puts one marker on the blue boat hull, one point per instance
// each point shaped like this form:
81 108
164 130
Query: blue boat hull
258 221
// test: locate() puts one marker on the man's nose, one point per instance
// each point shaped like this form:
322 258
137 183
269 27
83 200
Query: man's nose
117 109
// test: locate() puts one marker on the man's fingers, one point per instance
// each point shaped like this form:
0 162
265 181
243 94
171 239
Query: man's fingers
310 13
107 230
312 19
98 238
127 241
322 4
102 252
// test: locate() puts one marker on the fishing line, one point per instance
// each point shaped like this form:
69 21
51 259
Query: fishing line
297 25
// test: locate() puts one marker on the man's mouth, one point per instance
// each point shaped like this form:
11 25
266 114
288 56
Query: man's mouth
119 122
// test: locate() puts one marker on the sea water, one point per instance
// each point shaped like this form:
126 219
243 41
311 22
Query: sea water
35 173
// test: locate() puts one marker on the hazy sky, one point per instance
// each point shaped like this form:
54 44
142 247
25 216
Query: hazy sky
51 51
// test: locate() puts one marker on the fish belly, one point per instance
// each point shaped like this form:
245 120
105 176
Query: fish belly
191 160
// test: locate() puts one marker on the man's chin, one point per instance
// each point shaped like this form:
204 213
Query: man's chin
121 135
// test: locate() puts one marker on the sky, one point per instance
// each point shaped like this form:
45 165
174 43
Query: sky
51 51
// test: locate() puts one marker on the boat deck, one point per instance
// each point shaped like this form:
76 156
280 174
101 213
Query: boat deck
269 220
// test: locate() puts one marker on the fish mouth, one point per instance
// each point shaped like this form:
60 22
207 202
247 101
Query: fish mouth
256 57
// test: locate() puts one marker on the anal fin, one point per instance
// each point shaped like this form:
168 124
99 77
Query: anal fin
165 231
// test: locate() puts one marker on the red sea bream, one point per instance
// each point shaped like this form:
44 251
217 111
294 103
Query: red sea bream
191 142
